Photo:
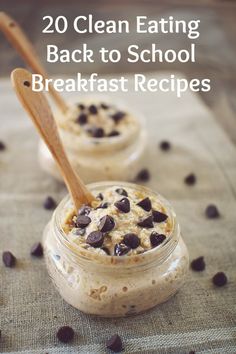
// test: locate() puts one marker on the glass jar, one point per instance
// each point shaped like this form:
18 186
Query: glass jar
112 286
100 159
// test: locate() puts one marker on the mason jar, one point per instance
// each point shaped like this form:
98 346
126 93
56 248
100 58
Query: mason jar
113 286
99 159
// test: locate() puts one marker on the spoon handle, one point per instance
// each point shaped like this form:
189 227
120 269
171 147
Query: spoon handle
37 107
21 43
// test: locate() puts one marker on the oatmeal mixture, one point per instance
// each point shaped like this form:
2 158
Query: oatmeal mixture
119 222
97 119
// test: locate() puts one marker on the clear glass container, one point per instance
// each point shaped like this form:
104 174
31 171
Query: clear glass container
112 286
101 159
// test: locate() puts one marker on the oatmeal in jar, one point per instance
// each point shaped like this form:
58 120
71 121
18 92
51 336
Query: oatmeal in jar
121 255
103 141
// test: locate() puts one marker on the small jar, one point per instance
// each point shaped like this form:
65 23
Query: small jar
112 286
97 159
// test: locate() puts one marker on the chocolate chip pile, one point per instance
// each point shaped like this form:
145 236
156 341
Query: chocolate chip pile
85 118
97 120
120 222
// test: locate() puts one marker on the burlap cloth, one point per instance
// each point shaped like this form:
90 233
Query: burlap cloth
200 317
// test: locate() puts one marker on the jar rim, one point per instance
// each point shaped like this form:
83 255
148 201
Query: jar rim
159 253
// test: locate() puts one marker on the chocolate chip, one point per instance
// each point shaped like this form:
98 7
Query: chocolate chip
95 239
114 133
100 196
84 210
165 145
190 180
145 204
198 264
103 206
158 216
118 116
8 259
212 212
49 203
114 344
131 240
219 279
82 119
122 191
81 106
104 106
156 239
93 109
27 83
37 249
123 205
2 146
96 132
83 221
65 334
120 249
106 250
106 223
143 175
146 223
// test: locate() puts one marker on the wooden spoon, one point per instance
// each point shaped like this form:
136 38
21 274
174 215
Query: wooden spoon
21 43
37 107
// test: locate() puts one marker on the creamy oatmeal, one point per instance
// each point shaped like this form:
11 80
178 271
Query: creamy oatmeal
120 222
95 119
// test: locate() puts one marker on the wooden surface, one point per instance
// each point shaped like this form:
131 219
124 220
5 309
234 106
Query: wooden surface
216 47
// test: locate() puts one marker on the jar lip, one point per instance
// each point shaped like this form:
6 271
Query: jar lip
87 141
158 253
